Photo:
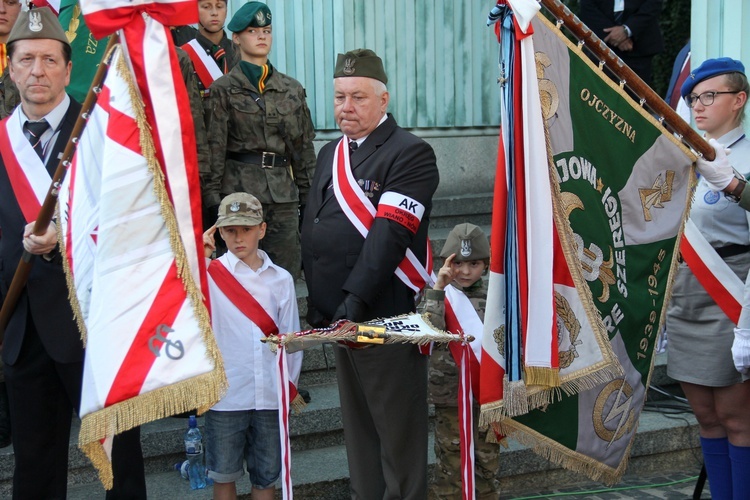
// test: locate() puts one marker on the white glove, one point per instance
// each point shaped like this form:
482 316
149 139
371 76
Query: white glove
719 173
741 350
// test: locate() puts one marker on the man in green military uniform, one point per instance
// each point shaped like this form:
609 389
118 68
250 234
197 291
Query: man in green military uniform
260 136
466 253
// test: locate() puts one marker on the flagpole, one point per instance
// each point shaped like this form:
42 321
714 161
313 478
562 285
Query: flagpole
623 71
48 207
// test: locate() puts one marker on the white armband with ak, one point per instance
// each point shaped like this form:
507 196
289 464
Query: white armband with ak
401 209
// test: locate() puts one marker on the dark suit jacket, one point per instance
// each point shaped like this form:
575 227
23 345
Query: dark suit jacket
337 259
45 298
641 16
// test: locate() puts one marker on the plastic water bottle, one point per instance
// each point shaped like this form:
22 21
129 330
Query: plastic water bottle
182 467
194 452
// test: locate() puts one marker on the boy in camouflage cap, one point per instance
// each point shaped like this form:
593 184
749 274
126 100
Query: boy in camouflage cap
467 257
249 295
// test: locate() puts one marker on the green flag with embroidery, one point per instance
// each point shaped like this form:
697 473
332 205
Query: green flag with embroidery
87 50
622 185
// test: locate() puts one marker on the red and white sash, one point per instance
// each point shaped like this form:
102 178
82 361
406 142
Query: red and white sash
394 206
205 65
28 176
287 391
246 303
712 272
461 318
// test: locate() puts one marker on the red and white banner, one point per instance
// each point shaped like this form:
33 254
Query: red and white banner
52 4
131 221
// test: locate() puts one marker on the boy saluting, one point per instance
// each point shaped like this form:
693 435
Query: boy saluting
251 297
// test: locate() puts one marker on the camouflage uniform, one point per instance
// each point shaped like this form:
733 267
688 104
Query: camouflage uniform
184 34
238 125
196 109
443 386
9 97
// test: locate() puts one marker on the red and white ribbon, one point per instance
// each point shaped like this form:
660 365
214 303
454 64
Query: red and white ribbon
712 272
28 176
361 213
205 65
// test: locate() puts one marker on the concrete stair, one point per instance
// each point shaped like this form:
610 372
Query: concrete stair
664 442
319 468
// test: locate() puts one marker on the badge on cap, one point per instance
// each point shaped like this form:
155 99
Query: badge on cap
262 19
465 248
35 21
349 66
235 206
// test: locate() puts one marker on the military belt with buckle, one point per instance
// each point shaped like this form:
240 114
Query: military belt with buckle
265 159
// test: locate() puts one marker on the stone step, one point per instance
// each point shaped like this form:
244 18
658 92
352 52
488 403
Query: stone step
449 211
663 444
319 427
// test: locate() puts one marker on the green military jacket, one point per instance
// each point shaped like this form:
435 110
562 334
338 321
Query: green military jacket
443 379
237 124
196 109
9 96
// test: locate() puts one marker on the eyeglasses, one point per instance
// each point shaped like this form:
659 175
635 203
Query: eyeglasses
706 98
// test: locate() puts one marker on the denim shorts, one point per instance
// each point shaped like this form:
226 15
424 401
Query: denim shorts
249 434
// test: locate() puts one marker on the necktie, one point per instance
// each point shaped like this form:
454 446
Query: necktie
352 147
33 132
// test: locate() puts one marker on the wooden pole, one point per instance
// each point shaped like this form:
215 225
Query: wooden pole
48 207
624 73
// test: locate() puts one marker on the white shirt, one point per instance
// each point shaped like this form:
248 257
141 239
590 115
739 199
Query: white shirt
54 118
720 220
249 363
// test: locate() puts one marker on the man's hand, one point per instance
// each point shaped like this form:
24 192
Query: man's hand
615 35
741 350
314 317
209 242
42 244
627 45
719 173
445 274
352 308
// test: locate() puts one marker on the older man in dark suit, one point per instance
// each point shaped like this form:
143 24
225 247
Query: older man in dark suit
364 240
42 351
630 27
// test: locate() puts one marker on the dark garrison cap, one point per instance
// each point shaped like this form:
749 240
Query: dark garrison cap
468 242
709 69
252 14
36 24
360 62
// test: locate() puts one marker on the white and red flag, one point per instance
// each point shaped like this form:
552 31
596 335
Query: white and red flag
541 337
130 213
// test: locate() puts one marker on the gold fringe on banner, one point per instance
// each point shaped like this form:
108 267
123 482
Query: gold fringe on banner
202 391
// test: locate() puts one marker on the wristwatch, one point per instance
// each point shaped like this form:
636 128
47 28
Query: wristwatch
736 193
